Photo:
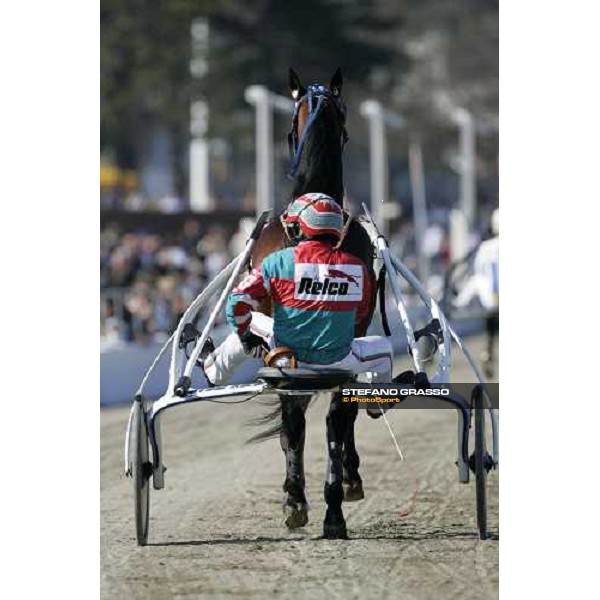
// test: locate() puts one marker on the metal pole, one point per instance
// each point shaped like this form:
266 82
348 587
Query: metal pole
200 199
459 234
464 120
417 183
258 96
373 111
186 379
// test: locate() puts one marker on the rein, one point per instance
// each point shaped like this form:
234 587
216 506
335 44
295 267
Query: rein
322 95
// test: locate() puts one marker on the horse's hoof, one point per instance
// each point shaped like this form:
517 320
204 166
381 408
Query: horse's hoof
374 412
296 515
334 527
353 491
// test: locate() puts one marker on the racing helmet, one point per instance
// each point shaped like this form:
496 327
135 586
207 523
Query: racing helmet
314 214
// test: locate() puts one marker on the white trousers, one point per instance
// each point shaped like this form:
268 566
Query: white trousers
372 355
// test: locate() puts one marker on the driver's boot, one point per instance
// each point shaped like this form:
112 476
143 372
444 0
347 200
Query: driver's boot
207 350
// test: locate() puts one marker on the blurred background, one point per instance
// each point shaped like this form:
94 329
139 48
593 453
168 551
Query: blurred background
184 89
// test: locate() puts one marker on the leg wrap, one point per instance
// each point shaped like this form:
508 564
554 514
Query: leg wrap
334 494
337 425
350 457
292 442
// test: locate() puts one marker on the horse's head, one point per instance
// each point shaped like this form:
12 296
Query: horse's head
318 127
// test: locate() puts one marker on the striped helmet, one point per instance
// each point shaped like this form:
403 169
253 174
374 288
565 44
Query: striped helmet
316 214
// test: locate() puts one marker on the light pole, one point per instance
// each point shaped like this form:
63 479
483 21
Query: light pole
258 96
464 120
383 210
264 102
417 184
373 111
200 200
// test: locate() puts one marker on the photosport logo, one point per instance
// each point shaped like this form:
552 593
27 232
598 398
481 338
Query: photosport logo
435 395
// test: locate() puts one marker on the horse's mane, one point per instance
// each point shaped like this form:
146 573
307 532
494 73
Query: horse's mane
320 165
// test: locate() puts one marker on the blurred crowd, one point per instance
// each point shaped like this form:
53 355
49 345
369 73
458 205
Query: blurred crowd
118 198
148 280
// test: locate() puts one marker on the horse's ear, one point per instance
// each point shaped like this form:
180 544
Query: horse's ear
296 87
336 82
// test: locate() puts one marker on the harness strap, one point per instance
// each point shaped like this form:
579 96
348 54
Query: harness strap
381 290
296 146
284 227
349 219
311 119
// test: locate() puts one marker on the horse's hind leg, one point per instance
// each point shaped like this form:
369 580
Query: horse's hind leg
292 443
334 525
353 489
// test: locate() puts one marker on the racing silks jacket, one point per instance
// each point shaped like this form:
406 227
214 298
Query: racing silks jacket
318 295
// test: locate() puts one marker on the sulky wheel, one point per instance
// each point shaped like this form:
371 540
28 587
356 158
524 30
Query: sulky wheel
142 469
481 460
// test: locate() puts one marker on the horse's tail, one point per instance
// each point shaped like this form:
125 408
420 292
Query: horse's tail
272 419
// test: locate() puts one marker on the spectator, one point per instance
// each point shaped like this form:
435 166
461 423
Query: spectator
149 280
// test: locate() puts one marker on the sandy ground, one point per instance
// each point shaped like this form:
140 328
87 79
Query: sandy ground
216 530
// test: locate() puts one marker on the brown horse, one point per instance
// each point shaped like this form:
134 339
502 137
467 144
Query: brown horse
317 142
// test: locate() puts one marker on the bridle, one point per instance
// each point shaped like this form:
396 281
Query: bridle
317 98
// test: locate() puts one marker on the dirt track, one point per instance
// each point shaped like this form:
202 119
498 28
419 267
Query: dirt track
216 529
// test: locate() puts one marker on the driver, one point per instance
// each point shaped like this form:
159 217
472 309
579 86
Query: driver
318 293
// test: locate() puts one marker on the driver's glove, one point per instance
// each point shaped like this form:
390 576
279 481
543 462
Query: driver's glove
253 345
420 380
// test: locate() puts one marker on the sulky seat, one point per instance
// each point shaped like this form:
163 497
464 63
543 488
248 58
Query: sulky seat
303 378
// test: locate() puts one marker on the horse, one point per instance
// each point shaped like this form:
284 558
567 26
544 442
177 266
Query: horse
317 142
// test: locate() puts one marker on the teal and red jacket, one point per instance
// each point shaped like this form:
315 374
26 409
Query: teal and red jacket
318 295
